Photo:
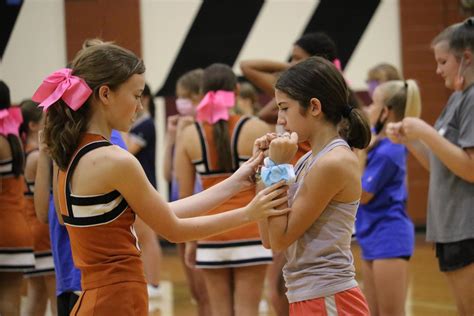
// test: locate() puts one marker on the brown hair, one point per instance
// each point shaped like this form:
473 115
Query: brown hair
384 72
191 81
98 64
220 77
445 35
318 78
18 157
31 113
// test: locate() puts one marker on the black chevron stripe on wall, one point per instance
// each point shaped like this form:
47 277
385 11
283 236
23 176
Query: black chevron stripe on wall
217 35
344 21
9 10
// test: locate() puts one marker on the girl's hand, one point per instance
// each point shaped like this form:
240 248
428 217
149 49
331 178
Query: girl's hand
263 143
410 128
172 127
265 202
414 128
244 177
283 148
394 133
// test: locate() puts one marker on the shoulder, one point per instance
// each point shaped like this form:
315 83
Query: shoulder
188 131
256 126
5 150
339 164
32 157
108 158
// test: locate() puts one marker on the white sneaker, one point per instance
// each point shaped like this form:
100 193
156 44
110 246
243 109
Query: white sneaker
263 306
154 291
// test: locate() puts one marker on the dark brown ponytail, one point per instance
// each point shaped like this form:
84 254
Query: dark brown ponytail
220 77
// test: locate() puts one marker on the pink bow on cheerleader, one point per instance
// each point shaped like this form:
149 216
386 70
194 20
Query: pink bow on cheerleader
61 84
215 106
10 120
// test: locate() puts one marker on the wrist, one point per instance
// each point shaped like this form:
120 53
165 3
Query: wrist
272 173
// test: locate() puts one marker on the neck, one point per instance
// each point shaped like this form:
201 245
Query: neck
98 125
32 139
468 79
322 136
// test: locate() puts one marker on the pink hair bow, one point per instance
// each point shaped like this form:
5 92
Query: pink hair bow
336 62
215 106
61 84
10 120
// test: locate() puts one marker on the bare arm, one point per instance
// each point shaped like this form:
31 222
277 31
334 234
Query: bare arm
148 204
420 152
262 73
170 140
460 161
42 186
55 194
269 113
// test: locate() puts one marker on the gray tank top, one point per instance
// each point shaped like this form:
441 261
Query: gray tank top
320 262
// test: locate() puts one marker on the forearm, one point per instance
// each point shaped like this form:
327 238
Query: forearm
42 187
263 65
262 73
420 152
277 228
269 113
168 159
456 159
200 227
197 204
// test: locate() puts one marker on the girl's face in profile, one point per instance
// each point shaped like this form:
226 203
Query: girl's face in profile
298 54
186 101
447 66
290 117
126 103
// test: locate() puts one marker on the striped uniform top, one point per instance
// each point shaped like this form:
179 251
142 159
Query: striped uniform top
103 241
16 244
210 175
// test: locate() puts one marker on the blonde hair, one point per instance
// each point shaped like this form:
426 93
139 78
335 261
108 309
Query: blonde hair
384 72
402 97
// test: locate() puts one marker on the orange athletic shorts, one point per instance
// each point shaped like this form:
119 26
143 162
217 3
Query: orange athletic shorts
119 299
347 303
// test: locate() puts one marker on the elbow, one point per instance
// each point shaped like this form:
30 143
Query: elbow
278 246
42 217
266 244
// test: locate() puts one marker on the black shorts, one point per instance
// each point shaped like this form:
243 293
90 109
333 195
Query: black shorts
455 255
66 302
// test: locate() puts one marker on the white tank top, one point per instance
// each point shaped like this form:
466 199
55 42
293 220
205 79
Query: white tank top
320 262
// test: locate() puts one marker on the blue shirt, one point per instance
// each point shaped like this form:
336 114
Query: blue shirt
143 132
383 228
68 277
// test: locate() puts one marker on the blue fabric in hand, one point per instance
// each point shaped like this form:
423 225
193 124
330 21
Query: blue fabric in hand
272 173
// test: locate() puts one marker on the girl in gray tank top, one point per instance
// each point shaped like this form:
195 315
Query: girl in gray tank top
315 236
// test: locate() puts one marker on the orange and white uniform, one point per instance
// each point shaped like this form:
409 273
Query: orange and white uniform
241 246
16 244
44 264
104 245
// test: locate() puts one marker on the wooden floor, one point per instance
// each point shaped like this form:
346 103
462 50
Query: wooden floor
428 293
